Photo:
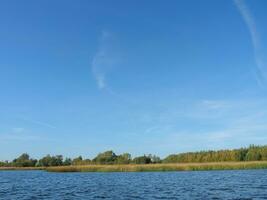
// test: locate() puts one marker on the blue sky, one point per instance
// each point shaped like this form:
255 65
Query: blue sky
82 77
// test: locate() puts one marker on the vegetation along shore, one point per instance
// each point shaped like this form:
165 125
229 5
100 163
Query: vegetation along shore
252 157
162 167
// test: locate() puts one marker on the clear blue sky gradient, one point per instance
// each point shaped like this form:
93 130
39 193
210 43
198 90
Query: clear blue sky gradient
161 77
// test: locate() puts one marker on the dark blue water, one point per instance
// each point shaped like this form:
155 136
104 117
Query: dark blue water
249 184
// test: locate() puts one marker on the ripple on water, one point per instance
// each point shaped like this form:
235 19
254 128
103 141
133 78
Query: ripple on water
248 184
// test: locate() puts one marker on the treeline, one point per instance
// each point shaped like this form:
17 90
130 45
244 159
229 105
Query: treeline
252 153
108 157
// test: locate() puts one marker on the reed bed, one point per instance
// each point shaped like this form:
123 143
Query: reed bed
162 167
22 168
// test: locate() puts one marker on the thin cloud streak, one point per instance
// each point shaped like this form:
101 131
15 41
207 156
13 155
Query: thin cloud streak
45 124
107 58
215 104
17 137
261 72
18 129
19 134
104 60
214 123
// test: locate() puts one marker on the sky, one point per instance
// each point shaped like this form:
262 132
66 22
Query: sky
160 77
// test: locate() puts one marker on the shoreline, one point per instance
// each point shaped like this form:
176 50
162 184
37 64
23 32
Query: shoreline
21 168
150 167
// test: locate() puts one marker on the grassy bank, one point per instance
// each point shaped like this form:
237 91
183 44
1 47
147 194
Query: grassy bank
151 167
22 168
162 167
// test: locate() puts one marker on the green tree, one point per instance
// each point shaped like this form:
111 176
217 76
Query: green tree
24 160
67 161
108 157
123 158
50 161
253 153
142 160
77 161
155 159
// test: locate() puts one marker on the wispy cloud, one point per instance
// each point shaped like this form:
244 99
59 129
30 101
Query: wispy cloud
215 104
37 122
228 135
19 134
18 129
209 124
261 72
239 120
105 59
18 137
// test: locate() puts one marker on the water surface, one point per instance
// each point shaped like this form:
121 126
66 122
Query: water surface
247 184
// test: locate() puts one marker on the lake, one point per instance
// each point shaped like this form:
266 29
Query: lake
246 184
